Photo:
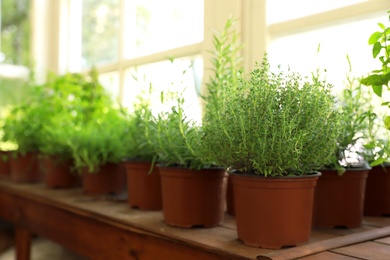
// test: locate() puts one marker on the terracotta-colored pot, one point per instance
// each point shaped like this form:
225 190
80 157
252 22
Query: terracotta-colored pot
230 209
272 212
143 188
24 167
5 157
193 198
339 199
109 178
57 172
377 197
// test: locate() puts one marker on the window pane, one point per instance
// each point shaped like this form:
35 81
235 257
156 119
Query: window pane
15 31
110 82
100 31
181 75
155 25
284 10
300 51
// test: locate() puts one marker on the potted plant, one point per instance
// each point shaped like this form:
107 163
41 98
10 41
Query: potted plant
377 197
97 150
340 191
6 149
378 181
22 126
193 189
143 180
273 131
55 152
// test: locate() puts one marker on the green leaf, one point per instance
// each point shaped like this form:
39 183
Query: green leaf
376 49
378 161
377 90
372 80
387 122
382 26
374 37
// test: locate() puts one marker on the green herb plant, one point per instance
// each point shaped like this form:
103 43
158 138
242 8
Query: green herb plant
178 139
266 123
380 78
141 130
352 105
99 141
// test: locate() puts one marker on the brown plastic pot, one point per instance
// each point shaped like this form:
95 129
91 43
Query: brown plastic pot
57 172
339 199
272 212
5 157
143 188
377 197
109 178
193 198
24 167
230 209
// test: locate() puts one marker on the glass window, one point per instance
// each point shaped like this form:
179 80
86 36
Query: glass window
110 82
15 31
300 51
100 32
284 10
154 26
180 75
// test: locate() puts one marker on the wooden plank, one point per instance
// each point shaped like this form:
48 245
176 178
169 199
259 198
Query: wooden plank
376 221
97 240
327 256
385 240
217 241
367 250
320 246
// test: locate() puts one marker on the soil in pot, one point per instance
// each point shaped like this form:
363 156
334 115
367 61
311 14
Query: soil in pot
339 199
5 164
58 172
143 186
193 198
273 212
25 168
377 197
109 178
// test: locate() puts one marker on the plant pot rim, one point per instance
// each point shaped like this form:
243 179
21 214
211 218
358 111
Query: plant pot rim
360 168
314 174
161 165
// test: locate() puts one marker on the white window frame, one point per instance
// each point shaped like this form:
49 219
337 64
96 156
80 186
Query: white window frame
52 29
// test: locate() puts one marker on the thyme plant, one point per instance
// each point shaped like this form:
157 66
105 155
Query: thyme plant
266 123
274 124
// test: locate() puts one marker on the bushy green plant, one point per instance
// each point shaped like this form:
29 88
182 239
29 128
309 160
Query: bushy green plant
24 122
99 141
35 125
178 139
55 135
141 130
274 124
266 123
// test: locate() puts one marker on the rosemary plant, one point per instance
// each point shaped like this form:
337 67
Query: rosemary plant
141 131
178 141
